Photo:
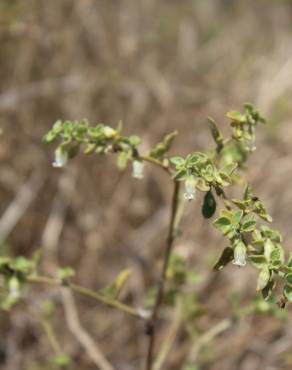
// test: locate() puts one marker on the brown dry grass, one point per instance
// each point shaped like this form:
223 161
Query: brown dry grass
158 66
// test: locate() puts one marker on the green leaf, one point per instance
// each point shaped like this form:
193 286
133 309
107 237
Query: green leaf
115 288
288 292
247 195
236 116
288 278
135 140
263 278
268 248
289 263
202 185
62 360
122 160
53 133
223 178
73 150
268 289
274 235
177 161
238 216
216 134
223 224
241 204
224 259
48 308
248 226
22 264
209 205
180 175
230 168
258 261
90 148
163 147
65 273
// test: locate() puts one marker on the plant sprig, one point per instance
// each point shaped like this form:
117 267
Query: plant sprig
209 172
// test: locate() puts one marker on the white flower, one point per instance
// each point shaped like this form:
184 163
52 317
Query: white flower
190 188
239 254
61 158
138 169
14 291
144 314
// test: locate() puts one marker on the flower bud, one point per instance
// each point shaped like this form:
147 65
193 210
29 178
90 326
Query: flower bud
109 132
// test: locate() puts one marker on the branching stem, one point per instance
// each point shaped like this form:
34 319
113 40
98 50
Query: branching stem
87 293
156 162
152 322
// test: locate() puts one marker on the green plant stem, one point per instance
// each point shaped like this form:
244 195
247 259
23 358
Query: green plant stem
48 329
152 322
156 162
87 293
170 337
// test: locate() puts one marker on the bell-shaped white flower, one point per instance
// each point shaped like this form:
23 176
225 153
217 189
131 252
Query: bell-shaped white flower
239 254
138 169
14 289
144 314
61 158
190 188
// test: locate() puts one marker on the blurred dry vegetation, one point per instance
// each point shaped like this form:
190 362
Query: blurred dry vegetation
157 66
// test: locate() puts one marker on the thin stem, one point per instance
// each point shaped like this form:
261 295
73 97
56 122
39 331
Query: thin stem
170 337
48 329
88 293
156 162
152 323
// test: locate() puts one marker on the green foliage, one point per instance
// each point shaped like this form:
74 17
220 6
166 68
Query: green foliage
180 283
64 274
210 173
14 272
263 250
162 148
74 137
61 361
114 290
244 125
48 308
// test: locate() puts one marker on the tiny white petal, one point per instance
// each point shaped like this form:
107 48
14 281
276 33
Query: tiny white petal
138 169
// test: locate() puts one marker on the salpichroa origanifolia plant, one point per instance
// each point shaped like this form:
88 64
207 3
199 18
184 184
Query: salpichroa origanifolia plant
211 172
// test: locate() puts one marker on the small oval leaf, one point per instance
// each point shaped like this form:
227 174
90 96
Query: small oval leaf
209 205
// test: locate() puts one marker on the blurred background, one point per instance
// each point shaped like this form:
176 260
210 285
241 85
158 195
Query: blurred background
157 66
